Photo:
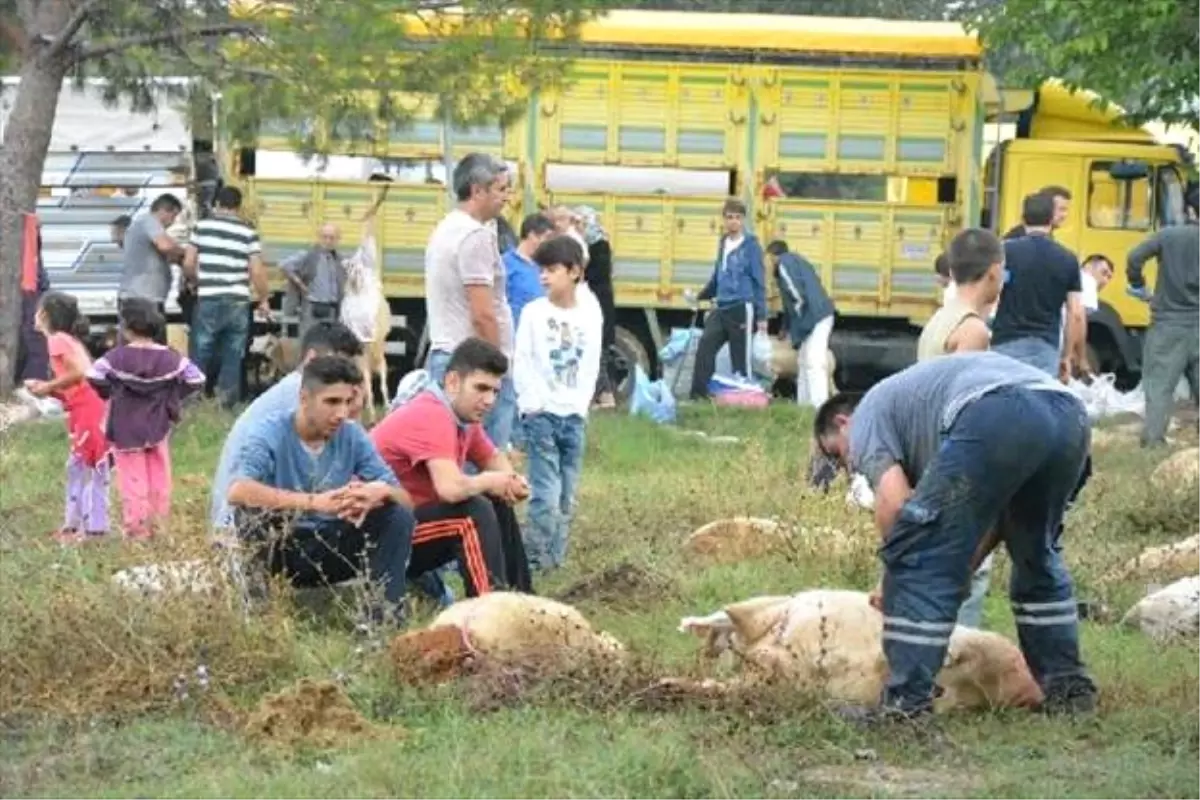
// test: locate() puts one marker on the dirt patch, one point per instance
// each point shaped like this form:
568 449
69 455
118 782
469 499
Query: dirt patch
311 714
622 583
874 780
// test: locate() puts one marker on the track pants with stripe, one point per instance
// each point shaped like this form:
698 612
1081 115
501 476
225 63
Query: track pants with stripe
467 532
1018 457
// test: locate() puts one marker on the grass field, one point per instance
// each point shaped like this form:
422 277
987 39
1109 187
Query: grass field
100 694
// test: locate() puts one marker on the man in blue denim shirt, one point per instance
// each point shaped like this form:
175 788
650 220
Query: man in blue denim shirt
953 447
524 281
739 293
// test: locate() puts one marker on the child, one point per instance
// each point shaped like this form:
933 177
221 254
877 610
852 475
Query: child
975 260
555 367
146 383
88 466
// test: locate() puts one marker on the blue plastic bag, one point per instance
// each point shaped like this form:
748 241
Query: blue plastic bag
651 399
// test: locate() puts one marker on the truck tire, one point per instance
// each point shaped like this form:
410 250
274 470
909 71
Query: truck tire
630 351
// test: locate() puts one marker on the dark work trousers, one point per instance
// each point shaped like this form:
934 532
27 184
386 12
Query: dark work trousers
729 325
331 552
481 535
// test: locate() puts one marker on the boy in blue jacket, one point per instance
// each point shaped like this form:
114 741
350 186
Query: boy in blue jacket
738 290
807 319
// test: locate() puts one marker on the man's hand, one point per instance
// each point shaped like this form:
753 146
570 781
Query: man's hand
37 388
876 597
518 489
357 499
328 503
762 326
1066 370
499 483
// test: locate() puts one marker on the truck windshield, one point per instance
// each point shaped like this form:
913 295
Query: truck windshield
1170 197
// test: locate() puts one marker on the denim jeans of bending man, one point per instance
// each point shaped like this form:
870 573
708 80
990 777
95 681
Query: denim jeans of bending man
1017 457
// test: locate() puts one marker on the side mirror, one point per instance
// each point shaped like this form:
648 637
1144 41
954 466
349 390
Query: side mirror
1129 170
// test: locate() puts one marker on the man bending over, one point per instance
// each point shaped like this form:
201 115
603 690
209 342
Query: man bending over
315 496
952 447
427 442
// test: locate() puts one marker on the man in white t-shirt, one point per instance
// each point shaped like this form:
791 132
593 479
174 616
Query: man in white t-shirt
1094 274
465 293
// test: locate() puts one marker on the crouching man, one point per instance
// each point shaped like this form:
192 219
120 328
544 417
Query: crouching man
952 447
427 442
314 498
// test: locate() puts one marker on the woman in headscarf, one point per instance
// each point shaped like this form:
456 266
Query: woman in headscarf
598 275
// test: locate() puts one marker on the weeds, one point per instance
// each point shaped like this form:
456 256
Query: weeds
183 674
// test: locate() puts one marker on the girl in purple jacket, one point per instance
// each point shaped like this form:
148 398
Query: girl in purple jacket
146 384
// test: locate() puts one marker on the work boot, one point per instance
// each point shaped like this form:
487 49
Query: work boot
1073 696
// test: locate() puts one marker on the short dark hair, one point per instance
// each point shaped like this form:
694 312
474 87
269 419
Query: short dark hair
331 338
972 253
1052 191
777 248
941 265
166 202
229 197
733 206
123 222
476 355
559 250
841 403
536 225
1038 210
62 314
330 370
1099 257
141 317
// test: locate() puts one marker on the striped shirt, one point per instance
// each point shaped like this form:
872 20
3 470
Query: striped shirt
224 245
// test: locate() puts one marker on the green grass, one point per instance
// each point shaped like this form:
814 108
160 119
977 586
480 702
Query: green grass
87 706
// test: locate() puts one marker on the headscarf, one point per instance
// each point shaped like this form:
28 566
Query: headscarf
592 232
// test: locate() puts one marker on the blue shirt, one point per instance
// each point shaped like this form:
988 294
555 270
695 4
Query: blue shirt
274 455
523 282
282 398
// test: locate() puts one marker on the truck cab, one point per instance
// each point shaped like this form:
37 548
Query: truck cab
1124 185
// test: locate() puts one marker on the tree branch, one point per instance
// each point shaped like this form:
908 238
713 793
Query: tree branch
63 39
178 37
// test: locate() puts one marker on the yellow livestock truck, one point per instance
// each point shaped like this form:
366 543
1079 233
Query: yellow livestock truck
858 141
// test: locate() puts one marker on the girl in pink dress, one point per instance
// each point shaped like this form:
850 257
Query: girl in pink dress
89 463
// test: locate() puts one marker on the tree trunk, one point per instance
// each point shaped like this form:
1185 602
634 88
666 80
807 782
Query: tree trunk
22 158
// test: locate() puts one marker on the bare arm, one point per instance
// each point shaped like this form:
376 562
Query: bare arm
259 282
972 335
168 247
75 373
890 496
483 313
498 463
1075 338
252 494
191 264
453 486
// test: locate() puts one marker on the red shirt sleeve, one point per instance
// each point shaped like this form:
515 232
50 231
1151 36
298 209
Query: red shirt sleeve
479 447
60 345
420 435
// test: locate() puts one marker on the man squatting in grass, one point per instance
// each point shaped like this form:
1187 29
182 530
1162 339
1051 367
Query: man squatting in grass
953 448
427 443
976 263
556 366
316 499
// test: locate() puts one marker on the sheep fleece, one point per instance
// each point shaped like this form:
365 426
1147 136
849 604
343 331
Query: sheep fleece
830 642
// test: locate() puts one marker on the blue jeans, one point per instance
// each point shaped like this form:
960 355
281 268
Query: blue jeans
555 449
1016 457
220 328
1037 353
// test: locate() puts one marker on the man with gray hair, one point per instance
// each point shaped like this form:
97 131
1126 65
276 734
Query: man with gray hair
465 281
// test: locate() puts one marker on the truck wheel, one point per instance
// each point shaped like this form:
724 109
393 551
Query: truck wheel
628 353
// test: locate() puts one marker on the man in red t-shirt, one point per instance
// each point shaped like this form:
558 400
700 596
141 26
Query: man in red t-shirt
427 442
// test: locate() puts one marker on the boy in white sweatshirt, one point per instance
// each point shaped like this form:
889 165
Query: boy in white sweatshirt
556 362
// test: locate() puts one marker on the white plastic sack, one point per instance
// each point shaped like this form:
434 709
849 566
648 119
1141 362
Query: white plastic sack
1102 399
410 386
860 493
761 362
1173 612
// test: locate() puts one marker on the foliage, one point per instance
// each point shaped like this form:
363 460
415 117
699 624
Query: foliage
886 9
1143 56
